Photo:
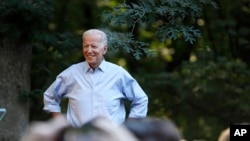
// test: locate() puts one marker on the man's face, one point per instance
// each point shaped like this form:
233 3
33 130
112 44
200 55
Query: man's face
93 49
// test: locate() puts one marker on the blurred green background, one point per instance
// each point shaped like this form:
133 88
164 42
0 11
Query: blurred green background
191 57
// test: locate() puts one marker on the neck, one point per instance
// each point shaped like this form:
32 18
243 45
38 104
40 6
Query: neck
94 66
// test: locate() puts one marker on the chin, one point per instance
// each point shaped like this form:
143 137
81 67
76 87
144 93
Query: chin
92 63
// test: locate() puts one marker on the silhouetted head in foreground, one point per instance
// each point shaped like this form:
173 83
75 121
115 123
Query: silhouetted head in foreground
98 129
225 135
57 129
151 129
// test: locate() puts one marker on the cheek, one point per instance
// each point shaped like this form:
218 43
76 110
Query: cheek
104 51
83 51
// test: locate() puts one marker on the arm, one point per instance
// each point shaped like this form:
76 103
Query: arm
138 98
55 114
52 97
139 106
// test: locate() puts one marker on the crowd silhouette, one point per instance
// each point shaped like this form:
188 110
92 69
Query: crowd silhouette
102 129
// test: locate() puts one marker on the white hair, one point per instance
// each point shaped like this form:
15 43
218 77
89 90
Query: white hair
97 31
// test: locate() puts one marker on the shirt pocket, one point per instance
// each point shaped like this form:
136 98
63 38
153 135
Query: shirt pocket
113 106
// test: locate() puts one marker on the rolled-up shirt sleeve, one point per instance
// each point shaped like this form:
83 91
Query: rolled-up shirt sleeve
52 96
137 97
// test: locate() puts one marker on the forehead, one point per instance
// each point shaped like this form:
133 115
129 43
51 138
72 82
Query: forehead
96 38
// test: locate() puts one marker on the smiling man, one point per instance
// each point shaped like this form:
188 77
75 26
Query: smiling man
95 87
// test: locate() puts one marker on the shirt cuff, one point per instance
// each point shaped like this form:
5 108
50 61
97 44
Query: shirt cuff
52 108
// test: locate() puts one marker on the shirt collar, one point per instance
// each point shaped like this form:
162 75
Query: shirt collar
101 67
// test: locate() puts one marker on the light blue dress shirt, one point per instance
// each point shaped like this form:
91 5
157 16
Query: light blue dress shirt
99 92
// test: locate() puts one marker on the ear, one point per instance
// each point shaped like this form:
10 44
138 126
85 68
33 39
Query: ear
105 49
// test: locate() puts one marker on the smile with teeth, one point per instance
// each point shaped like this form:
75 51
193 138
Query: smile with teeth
90 56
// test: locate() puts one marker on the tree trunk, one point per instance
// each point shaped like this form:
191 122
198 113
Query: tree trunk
15 61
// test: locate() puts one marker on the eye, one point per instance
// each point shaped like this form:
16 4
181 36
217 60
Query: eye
94 46
90 46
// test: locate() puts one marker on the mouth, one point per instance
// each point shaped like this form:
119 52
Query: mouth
90 57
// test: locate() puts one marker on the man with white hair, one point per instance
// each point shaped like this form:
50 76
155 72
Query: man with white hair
95 87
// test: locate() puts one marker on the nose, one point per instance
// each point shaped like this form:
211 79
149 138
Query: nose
88 48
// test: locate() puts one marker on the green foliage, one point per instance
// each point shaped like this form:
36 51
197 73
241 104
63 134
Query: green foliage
189 33
23 19
211 82
28 22
120 40
215 90
226 31
203 95
167 19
